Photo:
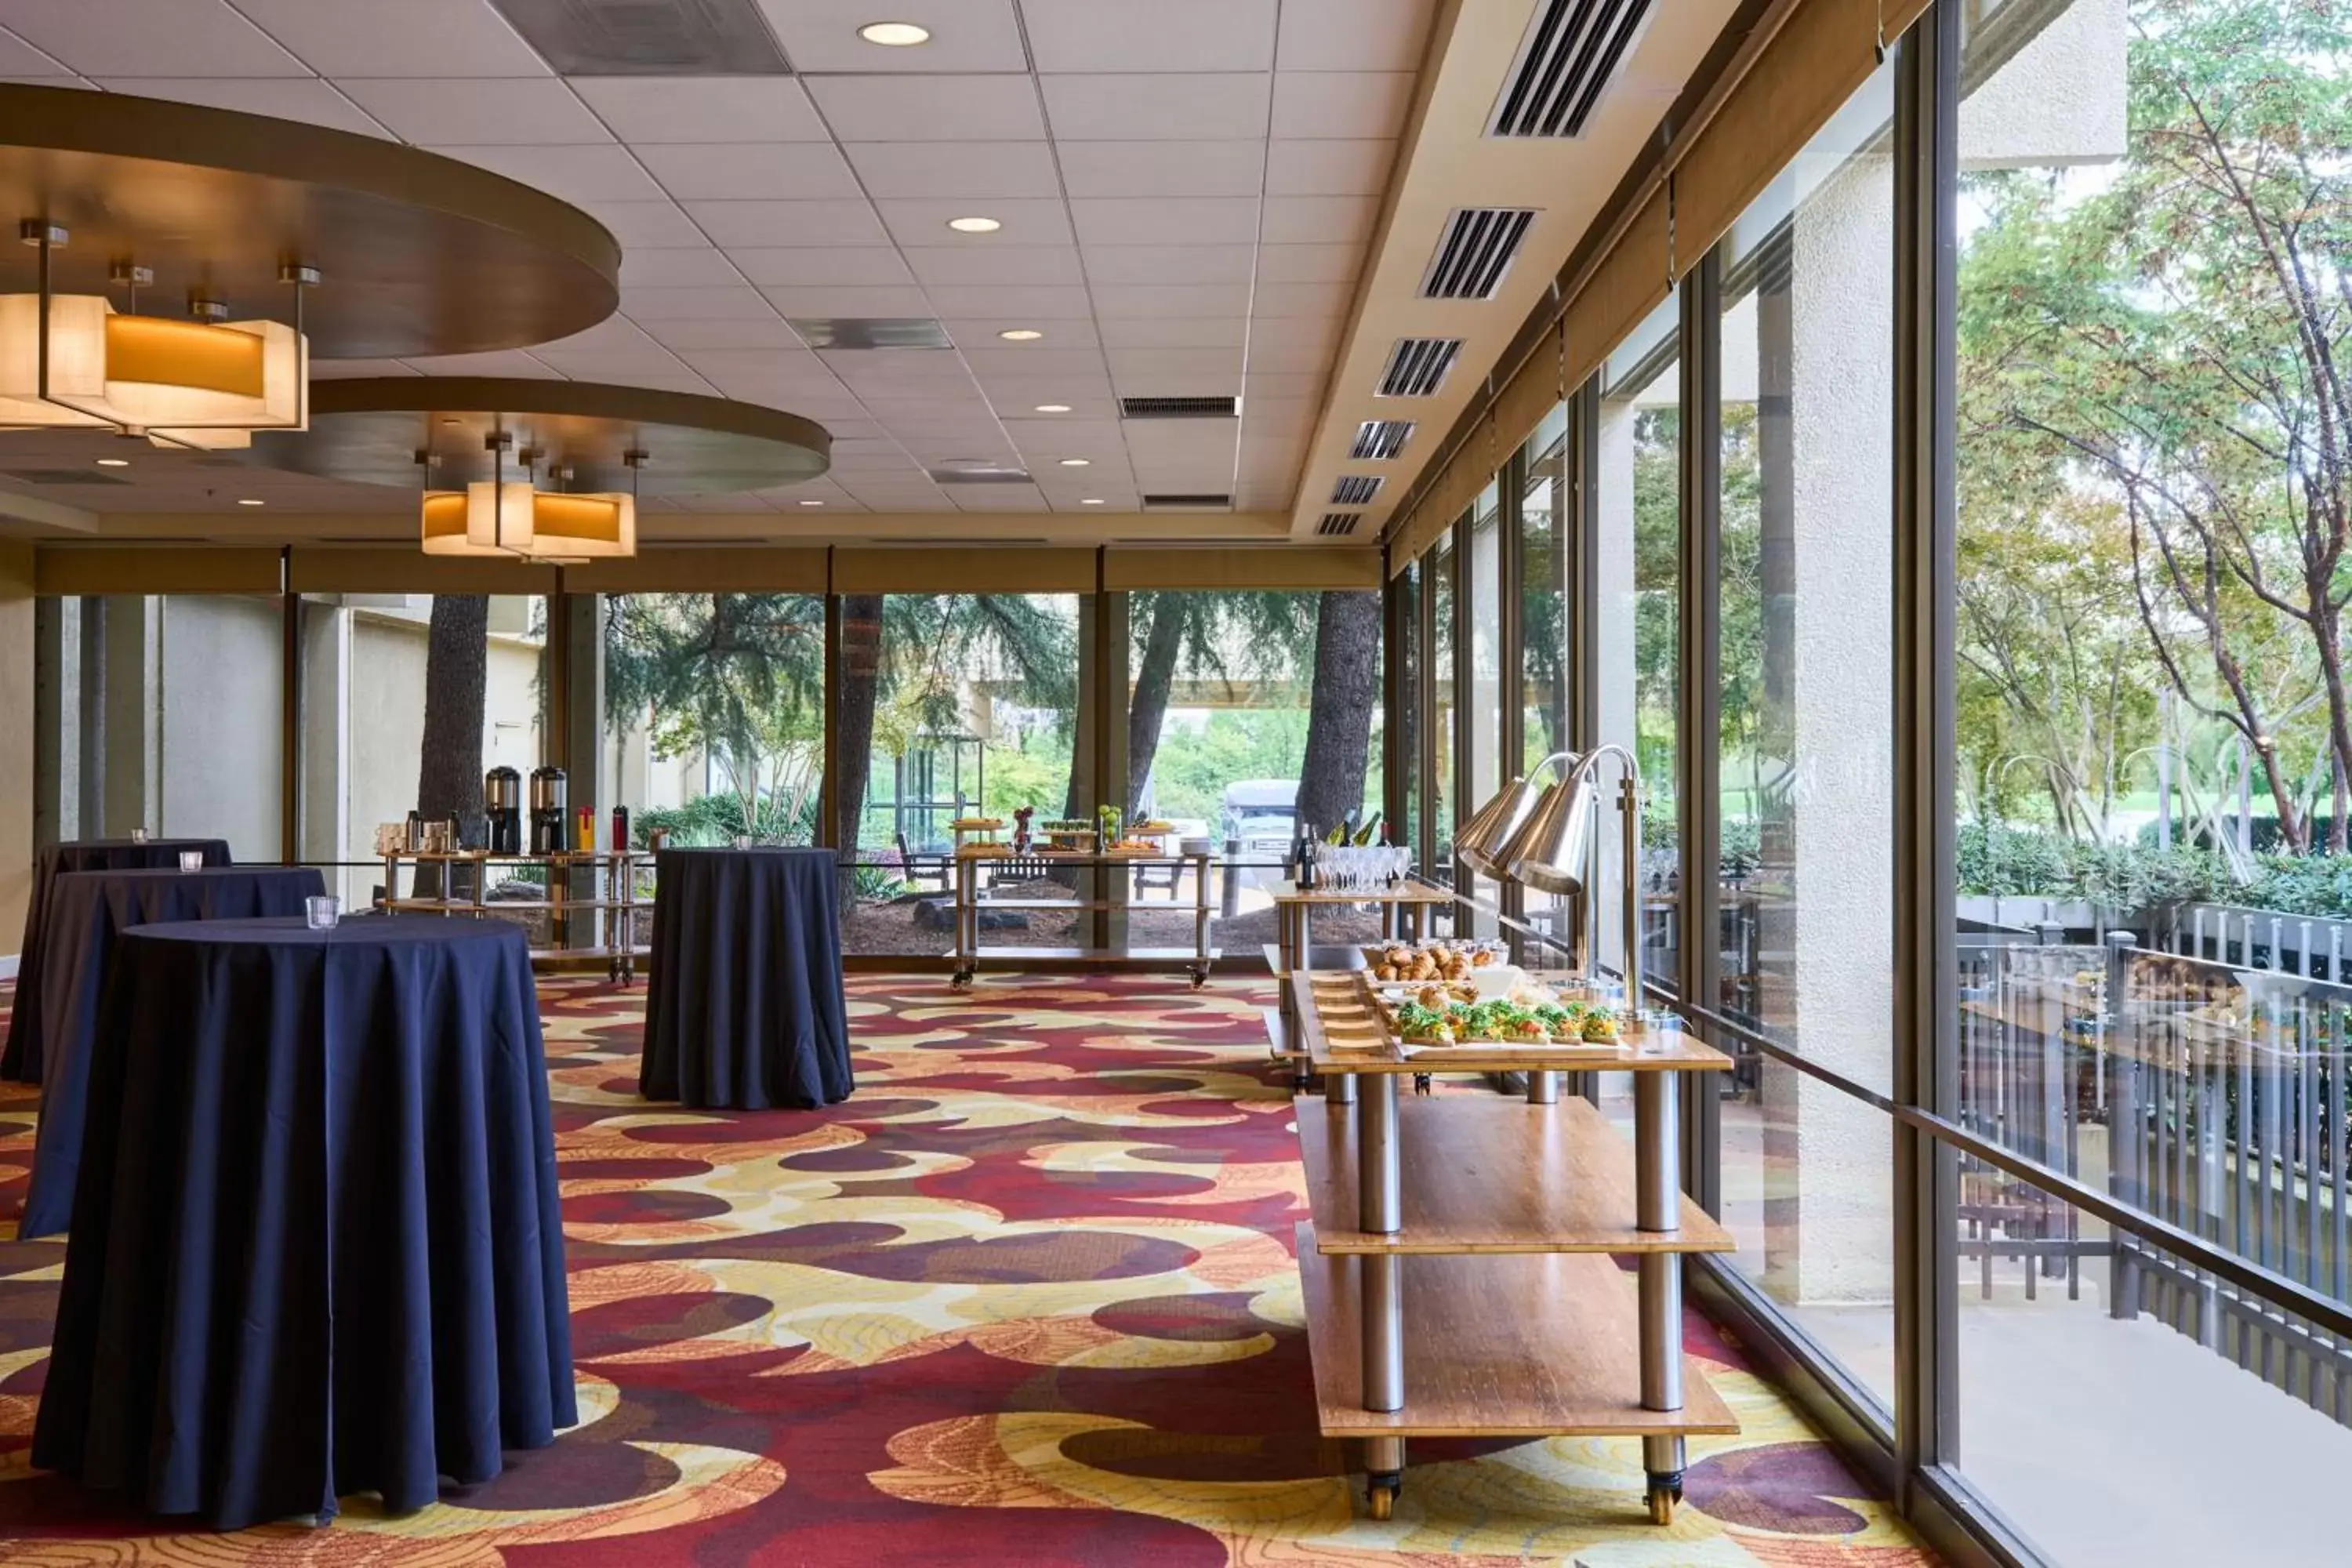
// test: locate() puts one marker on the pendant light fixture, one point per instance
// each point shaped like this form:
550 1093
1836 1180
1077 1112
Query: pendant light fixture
515 518
74 362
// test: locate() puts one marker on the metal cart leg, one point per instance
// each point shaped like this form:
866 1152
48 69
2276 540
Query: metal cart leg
1339 1088
1543 1087
1379 1186
1657 1118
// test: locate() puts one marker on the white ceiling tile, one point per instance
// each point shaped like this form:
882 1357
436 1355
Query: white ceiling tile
819 266
901 373
1172 299
1180 108
647 225
148 37
732 303
603 174
955 170
1172 220
628 366
1312 105
1067 332
651 110
536 111
1324 301
930 107
702 334
511 363
751 170
805 303
1323 220
966 35
1292 358
1150 34
1329 168
1282 416
1173 331
19 62
997 498
915 222
1087 396
657 382
733 224
1353 35
1068 437
1309 263
1006 266
1032 359
1280 385
1168 263
677 267
1202 371
613 335
305 99
796 365
1163 168
413 38
1040 304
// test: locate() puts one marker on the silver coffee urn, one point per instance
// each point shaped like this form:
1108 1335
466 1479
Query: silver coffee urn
502 804
547 811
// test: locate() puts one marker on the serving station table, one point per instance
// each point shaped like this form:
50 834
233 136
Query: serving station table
1404 915
612 887
1510 1320
971 901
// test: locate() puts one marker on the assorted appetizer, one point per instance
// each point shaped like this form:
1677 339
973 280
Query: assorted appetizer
1438 1015
1430 961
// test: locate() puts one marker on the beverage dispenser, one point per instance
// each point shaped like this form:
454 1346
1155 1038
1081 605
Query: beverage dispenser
548 826
502 804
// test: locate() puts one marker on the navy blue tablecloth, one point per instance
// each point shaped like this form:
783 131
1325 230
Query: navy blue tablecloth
21 1061
316 1246
86 910
745 1008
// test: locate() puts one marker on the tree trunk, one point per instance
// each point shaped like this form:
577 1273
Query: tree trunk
1154 678
457 689
853 751
1339 715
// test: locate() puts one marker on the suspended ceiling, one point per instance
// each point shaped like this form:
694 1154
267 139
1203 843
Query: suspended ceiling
1196 199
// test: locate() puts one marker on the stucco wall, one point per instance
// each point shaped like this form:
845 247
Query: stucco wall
220 698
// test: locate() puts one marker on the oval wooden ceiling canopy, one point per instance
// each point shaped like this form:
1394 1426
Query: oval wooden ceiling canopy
369 430
418 254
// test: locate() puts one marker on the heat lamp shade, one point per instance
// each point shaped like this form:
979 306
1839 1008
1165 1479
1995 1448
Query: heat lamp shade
1479 842
1552 850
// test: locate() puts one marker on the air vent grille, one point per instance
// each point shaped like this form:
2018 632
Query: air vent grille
870 332
1573 49
1180 502
648 37
1477 249
1355 489
1179 408
1337 522
1380 438
1417 366
978 473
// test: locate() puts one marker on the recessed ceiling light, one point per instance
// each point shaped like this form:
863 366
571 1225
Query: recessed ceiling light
114 462
249 500
894 35
1020 334
811 503
1053 408
1075 462
974 225
1091 501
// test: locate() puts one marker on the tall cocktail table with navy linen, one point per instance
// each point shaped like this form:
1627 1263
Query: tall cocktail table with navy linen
316 1246
745 1009
86 910
21 1061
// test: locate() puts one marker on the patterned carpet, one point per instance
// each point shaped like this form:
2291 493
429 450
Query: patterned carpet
1026 1300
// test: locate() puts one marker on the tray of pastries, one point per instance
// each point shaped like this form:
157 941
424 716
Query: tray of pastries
1434 959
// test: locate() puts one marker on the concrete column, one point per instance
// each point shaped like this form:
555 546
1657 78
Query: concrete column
218 719
325 672
57 760
18 718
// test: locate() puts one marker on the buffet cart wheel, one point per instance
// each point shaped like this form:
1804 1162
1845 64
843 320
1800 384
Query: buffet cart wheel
1380 1494
1664 1492
1199 974
961 980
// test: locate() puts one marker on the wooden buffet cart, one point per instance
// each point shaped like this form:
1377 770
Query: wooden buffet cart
1404 915
972 900
1457 1269
610 889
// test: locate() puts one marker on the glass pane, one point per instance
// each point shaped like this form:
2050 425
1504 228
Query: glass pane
714 714
1544 618
151 735
408 700
1408 750
1639 573
1483 587
1805 604
1248 715
1441 718
956 705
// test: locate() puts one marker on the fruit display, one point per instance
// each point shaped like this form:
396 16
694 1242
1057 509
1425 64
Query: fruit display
1434 1017
1430 961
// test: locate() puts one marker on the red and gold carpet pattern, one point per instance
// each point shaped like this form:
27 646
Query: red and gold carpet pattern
1027 1298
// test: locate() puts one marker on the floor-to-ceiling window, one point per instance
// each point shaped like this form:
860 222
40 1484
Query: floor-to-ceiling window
1638 575
1545 618
1445 650
1803 611
2151 484
1482 739
1408 714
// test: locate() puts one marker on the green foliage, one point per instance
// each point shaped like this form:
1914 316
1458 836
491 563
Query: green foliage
714 819
2003 861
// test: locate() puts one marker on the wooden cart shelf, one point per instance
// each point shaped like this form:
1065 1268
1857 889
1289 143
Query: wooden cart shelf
1538 1345
1485 1174
970 903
